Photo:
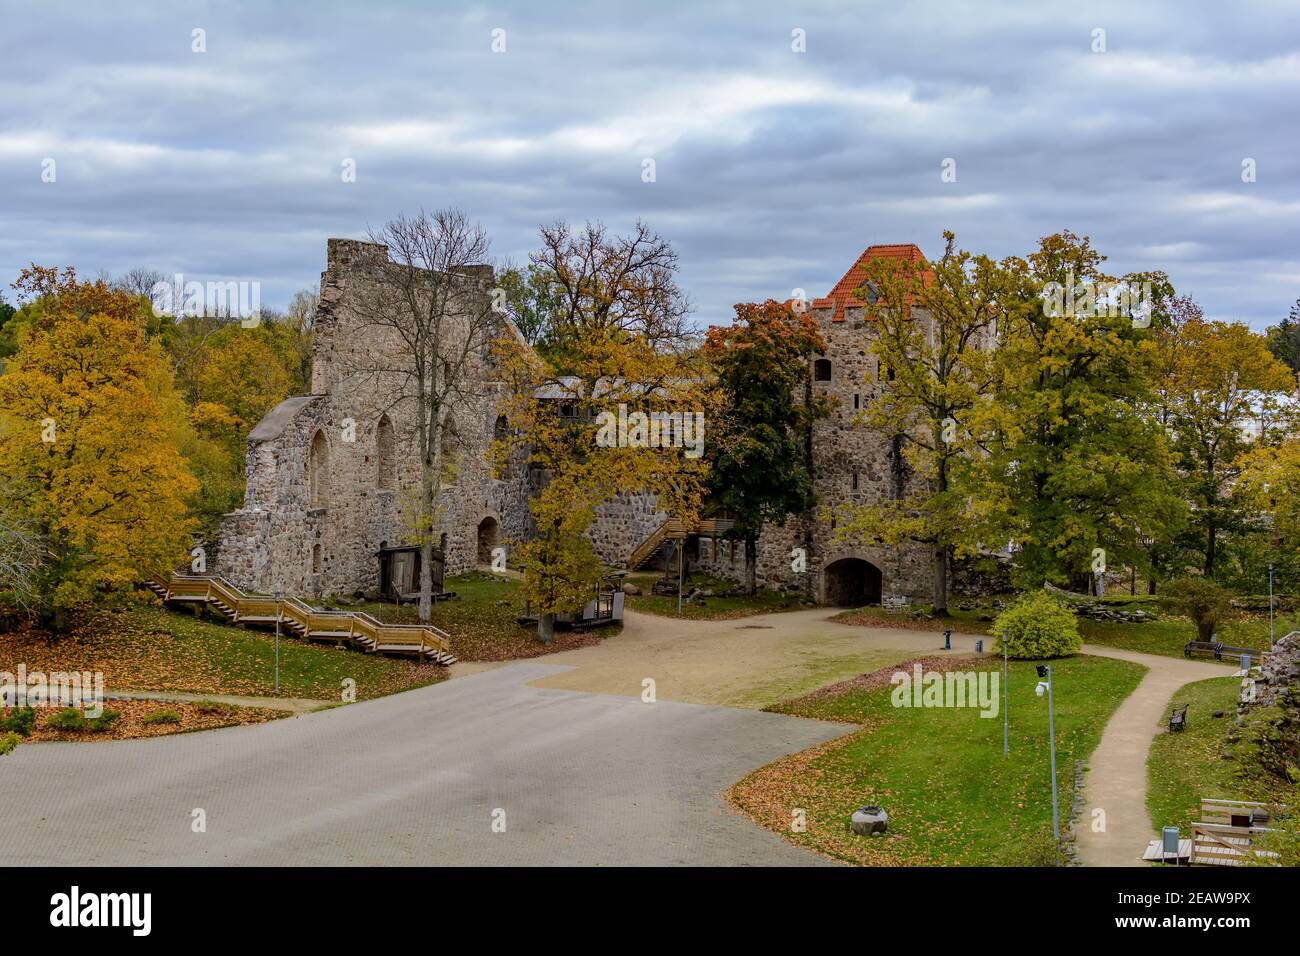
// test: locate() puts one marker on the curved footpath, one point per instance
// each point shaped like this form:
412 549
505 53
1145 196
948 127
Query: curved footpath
1116 781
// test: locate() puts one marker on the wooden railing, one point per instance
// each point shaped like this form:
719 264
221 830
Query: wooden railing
674 529
424 640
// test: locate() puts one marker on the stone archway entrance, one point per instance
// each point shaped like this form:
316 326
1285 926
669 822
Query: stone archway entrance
489 536
852 582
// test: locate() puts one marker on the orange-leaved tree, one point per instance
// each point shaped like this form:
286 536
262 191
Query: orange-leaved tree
88 461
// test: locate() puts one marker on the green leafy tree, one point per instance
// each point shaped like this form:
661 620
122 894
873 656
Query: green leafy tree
758 470
1082 470
1284 339
1204 601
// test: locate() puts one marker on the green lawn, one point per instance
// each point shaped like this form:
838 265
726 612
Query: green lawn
481 620
1182 768
951 795
147 647
709 609
1168 635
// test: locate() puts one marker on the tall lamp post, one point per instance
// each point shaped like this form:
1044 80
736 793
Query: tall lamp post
1270 606
1006 700
279 596
1044 671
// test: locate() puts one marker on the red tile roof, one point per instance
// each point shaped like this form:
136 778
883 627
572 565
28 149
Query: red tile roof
842 295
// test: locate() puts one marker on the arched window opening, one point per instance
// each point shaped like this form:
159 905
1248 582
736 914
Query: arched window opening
501 429
318 471
386 453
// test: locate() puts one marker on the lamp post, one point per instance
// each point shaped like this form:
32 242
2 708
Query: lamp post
1006 699
1270 606
279 596
1045 671
681 566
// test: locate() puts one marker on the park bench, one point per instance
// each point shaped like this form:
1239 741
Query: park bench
1218 649
896 602
1178 719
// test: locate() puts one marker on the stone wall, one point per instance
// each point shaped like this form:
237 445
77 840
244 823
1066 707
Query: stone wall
332 477
322 495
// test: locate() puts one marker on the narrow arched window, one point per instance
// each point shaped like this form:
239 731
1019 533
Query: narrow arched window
385 453
502 428
318 465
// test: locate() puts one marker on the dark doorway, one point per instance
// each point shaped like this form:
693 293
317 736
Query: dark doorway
399 573
489 535
852 582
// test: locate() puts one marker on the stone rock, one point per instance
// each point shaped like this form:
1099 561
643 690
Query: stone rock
869 821
630 588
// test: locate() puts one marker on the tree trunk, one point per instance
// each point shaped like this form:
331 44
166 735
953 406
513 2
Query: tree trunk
546 628
1211 542
1151 586
941 580
751 564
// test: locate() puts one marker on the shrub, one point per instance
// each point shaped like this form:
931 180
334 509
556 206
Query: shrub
217 707
1038 626
104 721
19 720
69 718
164 716
8 741
1039 848
1204 600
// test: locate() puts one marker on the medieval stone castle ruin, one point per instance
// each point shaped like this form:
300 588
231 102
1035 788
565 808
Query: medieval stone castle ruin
327 473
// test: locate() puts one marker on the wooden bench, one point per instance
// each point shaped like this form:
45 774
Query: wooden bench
1178 719
1218 649
1234 813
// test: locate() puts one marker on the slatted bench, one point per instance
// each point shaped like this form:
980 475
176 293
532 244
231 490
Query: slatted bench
1178 720
1218 649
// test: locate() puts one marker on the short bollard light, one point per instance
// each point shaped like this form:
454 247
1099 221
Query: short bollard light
947 639
979 645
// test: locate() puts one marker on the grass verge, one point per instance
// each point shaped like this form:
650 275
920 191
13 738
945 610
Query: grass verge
953 799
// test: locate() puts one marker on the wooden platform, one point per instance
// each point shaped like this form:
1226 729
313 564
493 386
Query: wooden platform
1154 854
355 628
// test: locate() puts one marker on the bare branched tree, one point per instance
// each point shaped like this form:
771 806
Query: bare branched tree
603 284
424 325
21 554
141 281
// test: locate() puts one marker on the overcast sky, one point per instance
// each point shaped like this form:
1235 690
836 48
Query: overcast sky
773 168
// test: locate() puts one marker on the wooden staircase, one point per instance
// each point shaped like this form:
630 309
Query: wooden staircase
674 530
361 630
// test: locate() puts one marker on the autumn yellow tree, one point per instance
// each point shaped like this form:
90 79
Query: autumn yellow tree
1220 393
87 443
617 347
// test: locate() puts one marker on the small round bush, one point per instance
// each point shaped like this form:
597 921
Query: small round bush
104 722
8 741
18 720
164 716
1036 627
69 718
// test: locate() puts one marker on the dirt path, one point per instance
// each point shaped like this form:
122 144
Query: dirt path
749 662
1116 782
